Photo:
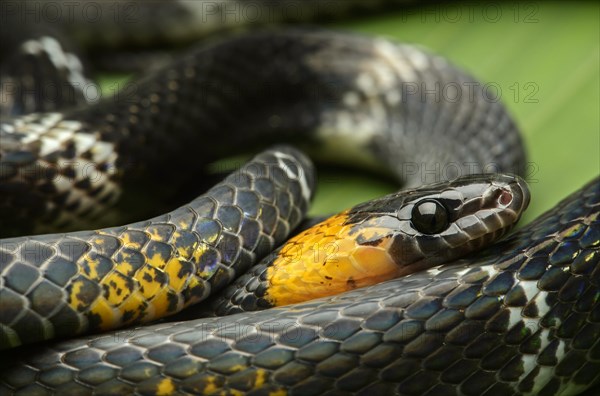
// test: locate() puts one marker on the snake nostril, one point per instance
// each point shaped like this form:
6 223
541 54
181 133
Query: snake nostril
505 198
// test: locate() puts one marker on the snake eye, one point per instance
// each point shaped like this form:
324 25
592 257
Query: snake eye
429 217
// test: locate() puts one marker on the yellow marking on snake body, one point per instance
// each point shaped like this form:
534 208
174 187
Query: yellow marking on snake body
195 281
160 304
199 251
278 392
260 379
139 291
74 300
118 288
211 385
186 252
91 269
165 387
134 303
125 267
109 317
157 261
155 235
183 251
237 367
146 276
327 259
127 242
172 270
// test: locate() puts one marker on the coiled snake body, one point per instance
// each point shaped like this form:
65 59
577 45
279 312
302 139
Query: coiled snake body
521 317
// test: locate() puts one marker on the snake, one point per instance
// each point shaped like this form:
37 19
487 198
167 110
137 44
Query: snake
520 317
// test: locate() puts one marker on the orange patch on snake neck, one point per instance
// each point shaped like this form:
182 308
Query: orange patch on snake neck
327 259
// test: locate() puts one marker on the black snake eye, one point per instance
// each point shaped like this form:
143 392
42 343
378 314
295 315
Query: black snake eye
429 217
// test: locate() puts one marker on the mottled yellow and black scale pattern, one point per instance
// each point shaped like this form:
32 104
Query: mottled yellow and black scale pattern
67 284
521 318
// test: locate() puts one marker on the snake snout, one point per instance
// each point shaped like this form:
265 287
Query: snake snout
512 193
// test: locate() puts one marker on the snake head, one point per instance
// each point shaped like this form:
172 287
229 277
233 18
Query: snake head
440 222
395 235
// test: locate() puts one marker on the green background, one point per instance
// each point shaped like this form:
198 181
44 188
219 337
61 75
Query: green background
543 56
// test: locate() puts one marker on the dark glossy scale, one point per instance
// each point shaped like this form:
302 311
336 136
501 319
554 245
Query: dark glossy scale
66 284
385 338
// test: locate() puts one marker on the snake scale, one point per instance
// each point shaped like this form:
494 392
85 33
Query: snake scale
521 317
